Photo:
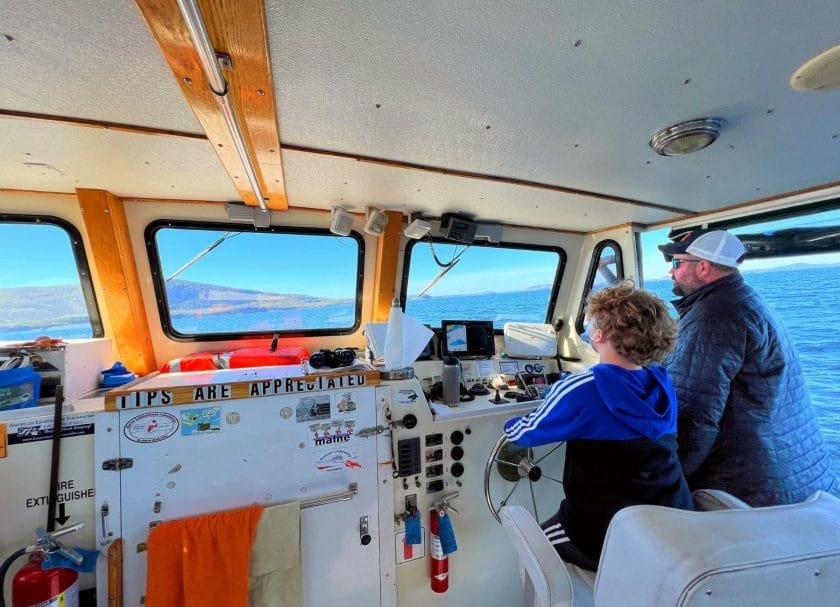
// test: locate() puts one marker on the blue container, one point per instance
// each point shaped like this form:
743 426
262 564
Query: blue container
19 388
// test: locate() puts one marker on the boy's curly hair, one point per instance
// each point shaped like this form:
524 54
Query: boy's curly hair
635 321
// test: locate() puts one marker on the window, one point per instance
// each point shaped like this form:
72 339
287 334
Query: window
605 270
218 282
506 283
802 289
45 286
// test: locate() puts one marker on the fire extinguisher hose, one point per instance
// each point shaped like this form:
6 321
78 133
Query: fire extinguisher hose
4 568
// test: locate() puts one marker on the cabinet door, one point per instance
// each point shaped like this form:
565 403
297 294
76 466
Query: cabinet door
190 460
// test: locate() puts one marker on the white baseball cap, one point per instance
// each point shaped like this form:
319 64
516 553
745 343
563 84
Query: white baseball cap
718 246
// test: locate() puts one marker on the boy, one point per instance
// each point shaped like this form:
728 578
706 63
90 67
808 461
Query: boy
619 421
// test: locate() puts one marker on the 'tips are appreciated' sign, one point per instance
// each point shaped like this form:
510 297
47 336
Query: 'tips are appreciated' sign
163 390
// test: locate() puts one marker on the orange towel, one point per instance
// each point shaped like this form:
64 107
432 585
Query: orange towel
202 560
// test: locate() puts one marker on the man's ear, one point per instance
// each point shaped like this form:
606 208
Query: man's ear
704 267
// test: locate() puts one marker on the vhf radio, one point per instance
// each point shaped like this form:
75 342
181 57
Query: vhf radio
458 228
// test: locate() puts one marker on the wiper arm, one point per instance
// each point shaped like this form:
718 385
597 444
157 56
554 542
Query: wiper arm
202 254
443 272
440 275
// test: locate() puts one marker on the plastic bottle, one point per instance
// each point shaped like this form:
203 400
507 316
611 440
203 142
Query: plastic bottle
451 382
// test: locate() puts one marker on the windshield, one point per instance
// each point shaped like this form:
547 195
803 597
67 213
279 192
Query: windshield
497 283
230 282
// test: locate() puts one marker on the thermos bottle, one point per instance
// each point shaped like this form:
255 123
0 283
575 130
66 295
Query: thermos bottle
451 382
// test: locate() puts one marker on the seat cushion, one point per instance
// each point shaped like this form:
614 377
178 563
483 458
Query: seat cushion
660 557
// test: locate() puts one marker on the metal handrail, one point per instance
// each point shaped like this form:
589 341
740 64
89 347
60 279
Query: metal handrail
344 496
210 65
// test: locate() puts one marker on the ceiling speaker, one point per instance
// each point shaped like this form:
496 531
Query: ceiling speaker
341 221
376 221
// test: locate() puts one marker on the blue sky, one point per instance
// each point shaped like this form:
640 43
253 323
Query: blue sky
480 269
314 265
39 255
36 255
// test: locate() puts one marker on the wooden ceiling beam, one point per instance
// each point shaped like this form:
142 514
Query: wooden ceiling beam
237 29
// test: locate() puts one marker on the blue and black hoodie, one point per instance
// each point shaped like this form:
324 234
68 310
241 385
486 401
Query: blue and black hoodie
620 431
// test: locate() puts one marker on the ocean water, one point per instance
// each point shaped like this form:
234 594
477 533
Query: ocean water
807 301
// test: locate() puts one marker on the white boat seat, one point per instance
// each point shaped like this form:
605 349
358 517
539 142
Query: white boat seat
662 557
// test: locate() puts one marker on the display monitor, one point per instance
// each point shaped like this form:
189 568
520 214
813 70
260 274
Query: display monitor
467 338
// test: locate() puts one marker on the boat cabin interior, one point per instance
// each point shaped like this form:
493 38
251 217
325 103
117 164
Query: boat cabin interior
297 225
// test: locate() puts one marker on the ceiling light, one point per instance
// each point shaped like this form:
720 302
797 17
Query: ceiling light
686 137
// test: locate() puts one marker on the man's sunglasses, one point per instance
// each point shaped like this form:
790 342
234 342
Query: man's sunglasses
675 263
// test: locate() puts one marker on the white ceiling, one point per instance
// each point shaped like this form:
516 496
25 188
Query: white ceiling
576 116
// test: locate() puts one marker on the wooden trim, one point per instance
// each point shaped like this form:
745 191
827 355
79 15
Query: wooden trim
107 234
620 226
35 192
237 29
186 201
484 177
101 124
387 257
115 565
175 200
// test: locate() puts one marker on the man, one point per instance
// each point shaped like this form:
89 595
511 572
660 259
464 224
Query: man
619 419
745 424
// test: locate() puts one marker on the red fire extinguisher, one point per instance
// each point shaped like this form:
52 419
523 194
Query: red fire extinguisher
36 587
440 562
33 586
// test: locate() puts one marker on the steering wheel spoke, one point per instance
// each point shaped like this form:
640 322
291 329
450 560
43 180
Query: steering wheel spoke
509 463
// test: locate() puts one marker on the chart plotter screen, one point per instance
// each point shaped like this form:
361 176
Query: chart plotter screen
467 338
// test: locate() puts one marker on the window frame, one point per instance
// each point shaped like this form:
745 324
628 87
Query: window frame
829 204
592 272
160 288
555 289
77 247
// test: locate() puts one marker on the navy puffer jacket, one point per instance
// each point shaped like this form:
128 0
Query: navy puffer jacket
745 421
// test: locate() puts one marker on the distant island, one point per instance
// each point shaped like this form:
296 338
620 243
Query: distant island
787 268
25 307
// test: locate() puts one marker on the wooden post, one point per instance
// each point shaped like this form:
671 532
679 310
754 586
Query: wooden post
387 255
107 233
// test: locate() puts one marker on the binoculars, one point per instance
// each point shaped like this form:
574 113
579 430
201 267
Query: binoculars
340 357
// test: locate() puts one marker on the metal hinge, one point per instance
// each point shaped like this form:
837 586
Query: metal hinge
118 463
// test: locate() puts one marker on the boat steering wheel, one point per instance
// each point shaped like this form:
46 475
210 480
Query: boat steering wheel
525 467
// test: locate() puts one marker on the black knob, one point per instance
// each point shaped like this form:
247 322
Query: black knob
457 469
467 430
365 539
457 453
409 421
457 437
